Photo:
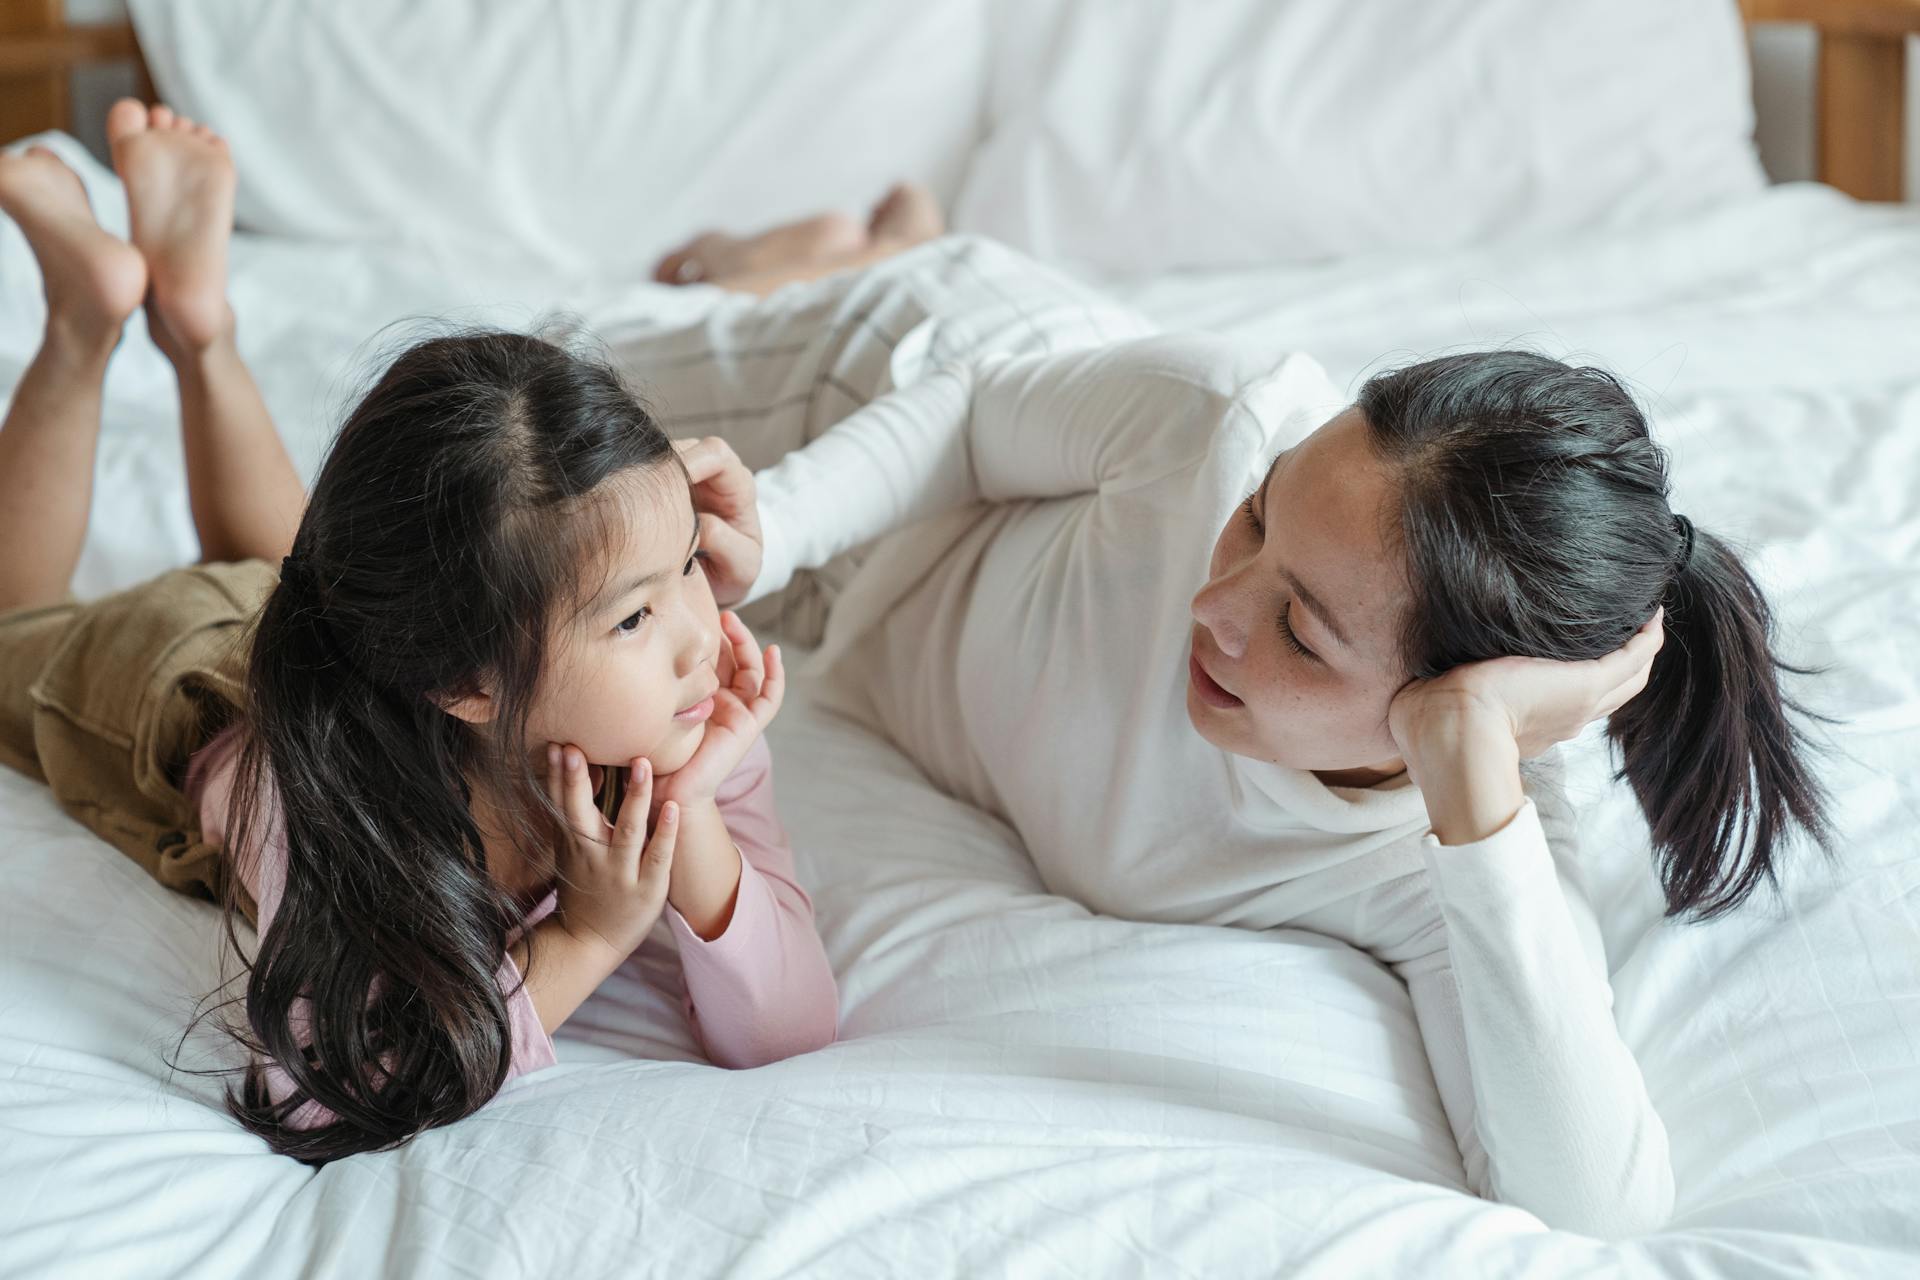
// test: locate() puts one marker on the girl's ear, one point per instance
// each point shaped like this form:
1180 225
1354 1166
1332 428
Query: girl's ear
475 707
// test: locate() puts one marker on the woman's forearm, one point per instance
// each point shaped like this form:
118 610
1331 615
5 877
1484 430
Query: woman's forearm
1467 766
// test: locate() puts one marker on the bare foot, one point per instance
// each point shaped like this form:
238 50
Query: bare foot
907 215
825 238
180 181
93 280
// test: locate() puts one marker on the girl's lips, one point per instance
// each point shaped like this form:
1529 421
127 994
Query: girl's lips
1203 684
697 712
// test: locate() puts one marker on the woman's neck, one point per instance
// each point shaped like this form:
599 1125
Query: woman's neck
1363 776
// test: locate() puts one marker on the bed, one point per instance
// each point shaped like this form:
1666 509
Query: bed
1023 1087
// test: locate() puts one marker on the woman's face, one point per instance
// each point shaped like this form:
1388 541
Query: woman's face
1295 655
633 673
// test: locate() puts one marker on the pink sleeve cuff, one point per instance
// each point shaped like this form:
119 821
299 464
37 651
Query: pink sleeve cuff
532 1046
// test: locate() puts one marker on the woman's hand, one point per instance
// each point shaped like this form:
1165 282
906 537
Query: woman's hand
742 709
613 878
729 514
1464 732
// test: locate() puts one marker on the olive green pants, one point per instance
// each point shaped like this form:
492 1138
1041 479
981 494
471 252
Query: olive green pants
105 701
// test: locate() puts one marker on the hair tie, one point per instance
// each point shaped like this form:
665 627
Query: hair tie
1683 527
296 571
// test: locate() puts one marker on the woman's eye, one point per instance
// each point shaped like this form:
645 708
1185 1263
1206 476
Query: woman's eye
1292 637
1247 509
628 625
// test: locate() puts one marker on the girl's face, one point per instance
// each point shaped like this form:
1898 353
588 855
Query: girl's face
1294 654
633 673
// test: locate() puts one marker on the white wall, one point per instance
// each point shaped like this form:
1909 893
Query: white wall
1783 77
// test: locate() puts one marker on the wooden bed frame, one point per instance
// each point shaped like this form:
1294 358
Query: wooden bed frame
1860 93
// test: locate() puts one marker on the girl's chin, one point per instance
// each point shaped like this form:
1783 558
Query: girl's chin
678 748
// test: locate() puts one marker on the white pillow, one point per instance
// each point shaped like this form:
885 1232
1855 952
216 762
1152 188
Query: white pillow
1140 135
592 136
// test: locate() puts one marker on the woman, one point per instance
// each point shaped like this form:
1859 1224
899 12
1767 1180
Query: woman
1224 651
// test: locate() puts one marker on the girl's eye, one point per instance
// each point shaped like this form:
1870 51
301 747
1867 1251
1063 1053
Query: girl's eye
1288 634
700 558
1247 509
630 624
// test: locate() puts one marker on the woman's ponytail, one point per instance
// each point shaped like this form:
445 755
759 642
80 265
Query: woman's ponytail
1535 519
1719 766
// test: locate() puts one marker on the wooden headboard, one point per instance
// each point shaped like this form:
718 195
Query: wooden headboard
1860 89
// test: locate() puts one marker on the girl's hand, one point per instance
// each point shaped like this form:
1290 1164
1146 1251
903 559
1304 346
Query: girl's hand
729 514
742 710
1532 702
613 880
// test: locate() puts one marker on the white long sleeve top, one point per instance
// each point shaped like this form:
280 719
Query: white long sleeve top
1022 634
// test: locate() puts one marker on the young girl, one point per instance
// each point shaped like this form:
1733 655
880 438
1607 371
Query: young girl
387 752
1224 650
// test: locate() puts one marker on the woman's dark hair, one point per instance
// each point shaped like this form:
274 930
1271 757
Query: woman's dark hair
1533 514
457 515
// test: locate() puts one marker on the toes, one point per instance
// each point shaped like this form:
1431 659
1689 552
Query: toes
128 115
884 207
907 214
679 267
160 117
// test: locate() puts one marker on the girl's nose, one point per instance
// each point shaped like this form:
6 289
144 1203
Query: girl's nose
701 642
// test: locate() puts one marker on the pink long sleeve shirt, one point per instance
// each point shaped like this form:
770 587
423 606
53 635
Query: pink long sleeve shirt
760 991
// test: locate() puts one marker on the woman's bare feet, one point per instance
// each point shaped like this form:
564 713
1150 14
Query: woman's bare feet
179 178
907 215
716 256
93 280
806 250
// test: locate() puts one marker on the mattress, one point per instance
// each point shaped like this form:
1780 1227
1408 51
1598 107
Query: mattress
1023 1087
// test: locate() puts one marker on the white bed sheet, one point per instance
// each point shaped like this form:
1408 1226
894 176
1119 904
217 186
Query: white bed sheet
1023 1088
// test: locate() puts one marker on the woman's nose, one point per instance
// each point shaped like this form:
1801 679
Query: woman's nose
1215 608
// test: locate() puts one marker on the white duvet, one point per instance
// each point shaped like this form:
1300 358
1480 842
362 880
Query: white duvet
1021 1087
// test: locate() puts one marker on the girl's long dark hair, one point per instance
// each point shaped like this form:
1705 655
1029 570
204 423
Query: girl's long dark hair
1534 517
449 524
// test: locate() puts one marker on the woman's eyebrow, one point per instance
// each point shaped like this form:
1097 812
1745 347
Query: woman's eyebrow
1300 589
1319 609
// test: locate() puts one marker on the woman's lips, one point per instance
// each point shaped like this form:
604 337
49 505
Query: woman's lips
1203 684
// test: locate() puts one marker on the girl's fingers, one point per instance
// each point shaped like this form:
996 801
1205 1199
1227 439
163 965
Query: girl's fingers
657 862
775 688
630 831
749 671
588 826
556 773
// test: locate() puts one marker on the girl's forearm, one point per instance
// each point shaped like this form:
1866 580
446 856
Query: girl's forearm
1468 768
562 971
705 880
